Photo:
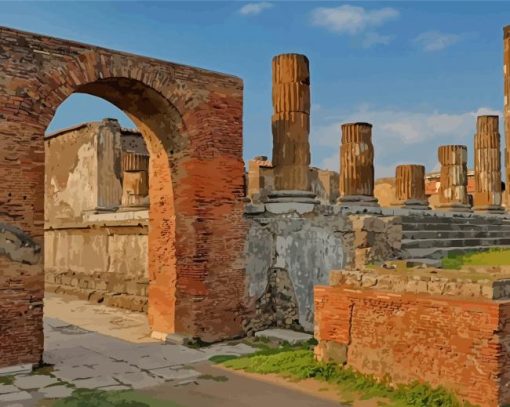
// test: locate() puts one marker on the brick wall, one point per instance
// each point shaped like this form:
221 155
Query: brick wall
458 343
191 120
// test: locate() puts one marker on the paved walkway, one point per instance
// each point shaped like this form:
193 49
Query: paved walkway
91 360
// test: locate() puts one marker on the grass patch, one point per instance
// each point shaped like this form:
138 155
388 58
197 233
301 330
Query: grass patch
99 398
6 380
491 257
221 358
215 378
44 369
300 363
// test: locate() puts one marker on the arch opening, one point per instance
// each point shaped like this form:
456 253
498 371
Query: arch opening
160 125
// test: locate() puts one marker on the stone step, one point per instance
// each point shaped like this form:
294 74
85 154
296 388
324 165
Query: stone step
453 226
439 253
471 219
440 243
454 234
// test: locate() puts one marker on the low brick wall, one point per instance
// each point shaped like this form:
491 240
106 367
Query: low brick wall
459 343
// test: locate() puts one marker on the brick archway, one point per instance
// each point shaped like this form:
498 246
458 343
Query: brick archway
191 120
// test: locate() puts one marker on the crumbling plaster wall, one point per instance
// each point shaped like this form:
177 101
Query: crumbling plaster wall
304 248
101 257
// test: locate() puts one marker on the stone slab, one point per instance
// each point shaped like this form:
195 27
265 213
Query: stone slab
34 381
17 369
18 396
287 335
175 374
56 392
7 388
95 382
138 380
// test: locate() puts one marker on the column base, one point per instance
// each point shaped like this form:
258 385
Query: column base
454 207
414 204
291 201
358 200
496 209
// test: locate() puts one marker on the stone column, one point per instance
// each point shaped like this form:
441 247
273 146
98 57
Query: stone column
357 165
506 109
453 180
487 195
135 186
410 186
291 127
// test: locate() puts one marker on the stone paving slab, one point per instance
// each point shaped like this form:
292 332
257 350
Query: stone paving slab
34 381
95 382
292 337
175 374
17 396
94 361
67 373
138 380
57 392
7 388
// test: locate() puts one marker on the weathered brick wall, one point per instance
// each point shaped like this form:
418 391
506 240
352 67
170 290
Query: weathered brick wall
191 120
458 343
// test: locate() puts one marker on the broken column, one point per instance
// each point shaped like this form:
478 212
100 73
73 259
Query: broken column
291 127
506 109
410 186
487 195
135 186
453 180
357 165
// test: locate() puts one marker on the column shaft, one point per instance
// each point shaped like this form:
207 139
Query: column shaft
487 195
291 122
357 164
453 179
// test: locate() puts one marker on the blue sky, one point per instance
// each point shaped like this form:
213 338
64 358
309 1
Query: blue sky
419 71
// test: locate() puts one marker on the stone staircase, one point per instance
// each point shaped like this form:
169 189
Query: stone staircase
433 235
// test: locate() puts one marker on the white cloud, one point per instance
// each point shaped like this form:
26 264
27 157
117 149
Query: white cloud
436 41
254 8
352 20
400 136
373 38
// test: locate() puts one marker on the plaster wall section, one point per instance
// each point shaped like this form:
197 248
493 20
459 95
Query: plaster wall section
71 172
287 254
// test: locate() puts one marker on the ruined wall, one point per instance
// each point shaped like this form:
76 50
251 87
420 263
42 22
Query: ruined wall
260 181
448 341
287 253
104 260
92 251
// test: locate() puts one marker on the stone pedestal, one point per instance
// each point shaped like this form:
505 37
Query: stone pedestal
291 122
357 165
410 187
135 186
487 195
506 109
453 189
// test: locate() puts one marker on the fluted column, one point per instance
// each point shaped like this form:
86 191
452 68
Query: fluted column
356 184
487 195
506 109
135 187
410 186
291 122
453 180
